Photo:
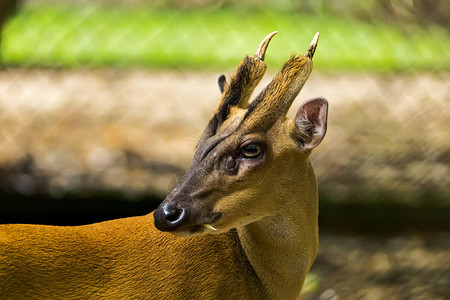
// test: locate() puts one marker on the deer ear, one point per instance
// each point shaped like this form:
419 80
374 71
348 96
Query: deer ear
222 81
311 122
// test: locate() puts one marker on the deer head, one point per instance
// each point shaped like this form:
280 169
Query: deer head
250 154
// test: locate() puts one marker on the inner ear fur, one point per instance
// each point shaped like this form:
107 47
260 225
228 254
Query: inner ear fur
311 123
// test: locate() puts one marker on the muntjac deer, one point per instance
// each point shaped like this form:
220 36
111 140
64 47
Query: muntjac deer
240 224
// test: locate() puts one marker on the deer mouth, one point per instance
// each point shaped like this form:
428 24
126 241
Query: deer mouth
194 230
206 227
185 221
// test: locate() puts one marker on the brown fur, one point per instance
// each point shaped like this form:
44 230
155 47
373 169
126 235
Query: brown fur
276 99
264 208
120 259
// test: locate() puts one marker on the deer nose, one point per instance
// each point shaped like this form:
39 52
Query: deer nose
168 217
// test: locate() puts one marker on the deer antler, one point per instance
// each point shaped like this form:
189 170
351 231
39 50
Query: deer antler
275 100
261 51
242 83
313 46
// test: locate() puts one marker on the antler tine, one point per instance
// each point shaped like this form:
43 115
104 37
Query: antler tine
261 51
313 46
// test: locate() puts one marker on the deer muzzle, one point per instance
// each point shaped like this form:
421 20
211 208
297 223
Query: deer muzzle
183 219
168 217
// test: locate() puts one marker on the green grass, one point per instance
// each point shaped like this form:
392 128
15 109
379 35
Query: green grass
70 37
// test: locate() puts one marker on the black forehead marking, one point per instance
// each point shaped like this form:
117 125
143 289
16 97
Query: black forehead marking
212 143
232 100
234 91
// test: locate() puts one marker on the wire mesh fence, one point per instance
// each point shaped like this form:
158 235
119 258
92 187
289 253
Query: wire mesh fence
76 127
97 34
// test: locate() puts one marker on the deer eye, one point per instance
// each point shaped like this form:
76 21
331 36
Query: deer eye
251 151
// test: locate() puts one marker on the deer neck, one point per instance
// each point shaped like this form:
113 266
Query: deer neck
281 248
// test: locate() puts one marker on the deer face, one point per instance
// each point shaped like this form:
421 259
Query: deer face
250 153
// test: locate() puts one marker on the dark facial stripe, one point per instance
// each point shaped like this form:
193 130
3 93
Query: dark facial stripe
234 91
233 96
242 84
211 144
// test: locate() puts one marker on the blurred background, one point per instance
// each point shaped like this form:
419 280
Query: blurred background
102 103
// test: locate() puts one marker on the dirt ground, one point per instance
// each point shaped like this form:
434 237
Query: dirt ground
67 131
404 266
